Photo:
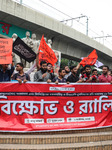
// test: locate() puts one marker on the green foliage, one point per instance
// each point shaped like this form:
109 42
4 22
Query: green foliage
67 62
64 62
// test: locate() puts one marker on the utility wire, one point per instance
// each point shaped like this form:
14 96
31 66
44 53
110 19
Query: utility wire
55 8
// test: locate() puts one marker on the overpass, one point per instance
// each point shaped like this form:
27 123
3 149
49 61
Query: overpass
71 43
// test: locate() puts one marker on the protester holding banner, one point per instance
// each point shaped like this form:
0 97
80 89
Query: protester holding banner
82 72
73 77
5 72
94 75
87 75
95 72
105 77
67 71
6 59
50 70
60 78
42 75
20 76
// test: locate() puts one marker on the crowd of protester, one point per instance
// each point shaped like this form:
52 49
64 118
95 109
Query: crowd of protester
44 73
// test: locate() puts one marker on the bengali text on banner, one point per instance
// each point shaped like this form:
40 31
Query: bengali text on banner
49 107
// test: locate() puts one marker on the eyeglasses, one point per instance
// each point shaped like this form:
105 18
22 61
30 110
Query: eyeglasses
50 66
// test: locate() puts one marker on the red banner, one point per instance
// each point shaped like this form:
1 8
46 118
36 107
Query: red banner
48 107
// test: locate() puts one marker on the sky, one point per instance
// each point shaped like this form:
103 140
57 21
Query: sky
99 13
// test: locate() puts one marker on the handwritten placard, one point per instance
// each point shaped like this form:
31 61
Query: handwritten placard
5 51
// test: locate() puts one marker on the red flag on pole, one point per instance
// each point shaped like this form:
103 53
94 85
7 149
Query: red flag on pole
46 53
90 60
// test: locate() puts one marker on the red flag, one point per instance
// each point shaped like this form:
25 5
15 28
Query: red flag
90 60
46 52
